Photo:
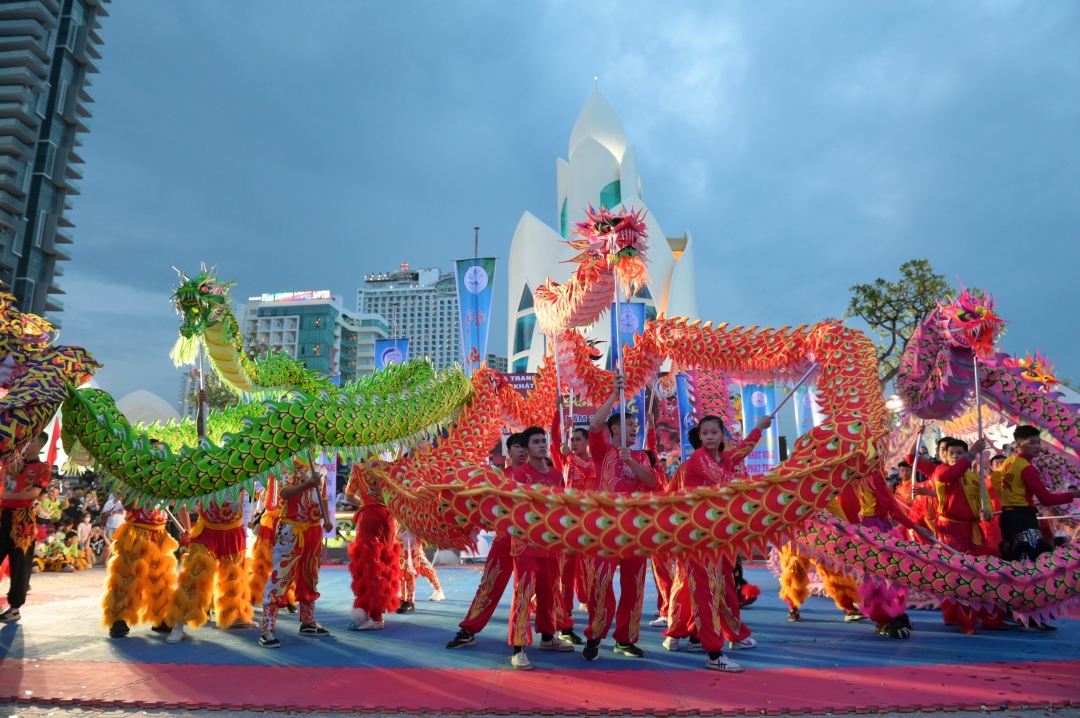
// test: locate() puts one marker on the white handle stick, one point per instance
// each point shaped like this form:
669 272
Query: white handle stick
794 389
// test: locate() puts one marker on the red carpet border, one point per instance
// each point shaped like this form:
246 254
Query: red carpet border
1051 684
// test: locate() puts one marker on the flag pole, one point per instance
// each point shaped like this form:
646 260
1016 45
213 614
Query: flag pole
558 383
978 413
619 360
915 461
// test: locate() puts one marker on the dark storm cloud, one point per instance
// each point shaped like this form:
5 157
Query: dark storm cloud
805 146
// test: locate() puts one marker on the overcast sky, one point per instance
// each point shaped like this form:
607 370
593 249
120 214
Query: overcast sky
806 146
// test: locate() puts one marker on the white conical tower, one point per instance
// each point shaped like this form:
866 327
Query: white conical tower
601 171
599 121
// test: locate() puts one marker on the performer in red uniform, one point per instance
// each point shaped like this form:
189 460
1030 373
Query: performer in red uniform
619 470
705 602
579 474
498 569
214 572
297 550
374 554
536 570
959 525
25 478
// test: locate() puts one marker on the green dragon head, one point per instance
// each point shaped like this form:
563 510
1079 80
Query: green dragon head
202 301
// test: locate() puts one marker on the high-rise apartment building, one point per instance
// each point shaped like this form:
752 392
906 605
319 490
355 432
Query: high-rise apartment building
315 328
420 304
47 49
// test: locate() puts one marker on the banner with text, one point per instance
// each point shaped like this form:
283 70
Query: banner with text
687 416
475 281
759 400
391 351
631 321
807 410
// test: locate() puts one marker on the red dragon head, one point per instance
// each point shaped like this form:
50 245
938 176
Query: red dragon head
970 322
619 240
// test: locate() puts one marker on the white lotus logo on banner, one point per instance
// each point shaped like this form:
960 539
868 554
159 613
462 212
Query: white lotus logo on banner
628 322
475 280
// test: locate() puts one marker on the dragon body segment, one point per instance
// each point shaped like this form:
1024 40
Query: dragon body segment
353 424
1040 588
34 375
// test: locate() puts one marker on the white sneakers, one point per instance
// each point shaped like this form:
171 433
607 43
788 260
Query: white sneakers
659 622
370 624
521 662
555 644
742 645
725 664
671 644
437 596
177 634
583 607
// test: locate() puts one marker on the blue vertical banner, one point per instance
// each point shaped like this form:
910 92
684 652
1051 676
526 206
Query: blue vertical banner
684 394
631 322
807 411
475 280
759 400
391 351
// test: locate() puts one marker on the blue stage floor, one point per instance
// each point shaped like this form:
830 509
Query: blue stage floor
70 631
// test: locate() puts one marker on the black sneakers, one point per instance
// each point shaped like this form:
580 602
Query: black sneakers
406 607
592 649
119 630
11 614
269 640
570 637
160 628
794 615
313 629
629 649
462 639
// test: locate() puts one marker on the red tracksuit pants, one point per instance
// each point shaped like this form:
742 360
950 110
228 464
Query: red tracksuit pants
960 537
662 575
569 576
705 603
497 572
533 576
599 582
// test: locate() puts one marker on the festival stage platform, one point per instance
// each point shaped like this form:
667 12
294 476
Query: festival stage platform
59 654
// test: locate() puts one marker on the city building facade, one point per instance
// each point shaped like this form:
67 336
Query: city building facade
47 50
315 328
420 304
496 362
601 171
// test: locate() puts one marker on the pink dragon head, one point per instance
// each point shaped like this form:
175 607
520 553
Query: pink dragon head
969 321
619 240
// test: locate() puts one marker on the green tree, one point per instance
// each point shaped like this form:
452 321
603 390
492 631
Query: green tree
893 310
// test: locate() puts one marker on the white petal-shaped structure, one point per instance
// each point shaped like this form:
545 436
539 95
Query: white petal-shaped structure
601 171
144 407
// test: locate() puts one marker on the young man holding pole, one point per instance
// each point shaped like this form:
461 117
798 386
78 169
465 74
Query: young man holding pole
536 570
619 470
498 568
297 549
